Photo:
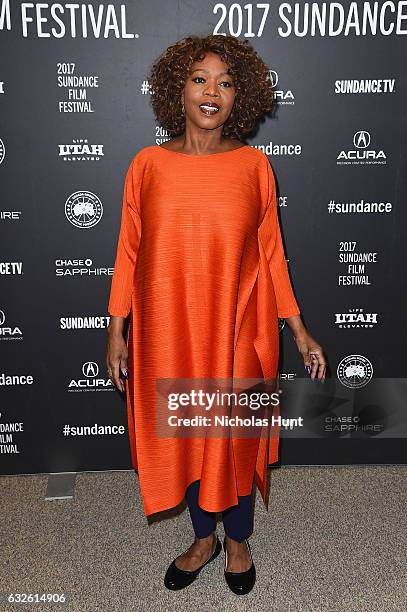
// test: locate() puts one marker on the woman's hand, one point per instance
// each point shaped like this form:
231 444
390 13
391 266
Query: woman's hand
312 353
309 348
117 353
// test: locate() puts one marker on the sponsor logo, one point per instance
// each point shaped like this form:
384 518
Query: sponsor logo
355 371
83 209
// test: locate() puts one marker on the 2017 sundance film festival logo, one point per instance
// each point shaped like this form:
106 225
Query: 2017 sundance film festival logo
355 371
357 264
299 19
83 209
8 432
73 20
78 88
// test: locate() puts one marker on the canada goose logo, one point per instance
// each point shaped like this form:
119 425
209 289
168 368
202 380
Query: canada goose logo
83 209
355 371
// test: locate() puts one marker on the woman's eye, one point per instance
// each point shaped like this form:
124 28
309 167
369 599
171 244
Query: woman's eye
227 83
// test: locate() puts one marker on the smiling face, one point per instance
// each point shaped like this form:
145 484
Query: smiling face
209 93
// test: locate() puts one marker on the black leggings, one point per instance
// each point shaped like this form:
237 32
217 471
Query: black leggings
237 520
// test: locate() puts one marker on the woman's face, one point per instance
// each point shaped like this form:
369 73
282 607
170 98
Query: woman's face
208 84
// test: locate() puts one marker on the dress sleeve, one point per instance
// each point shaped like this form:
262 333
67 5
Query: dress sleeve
127 246
270 238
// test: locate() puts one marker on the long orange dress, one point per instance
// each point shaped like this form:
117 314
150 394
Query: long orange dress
201 269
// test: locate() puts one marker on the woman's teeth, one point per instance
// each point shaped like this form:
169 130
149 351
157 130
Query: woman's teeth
208 110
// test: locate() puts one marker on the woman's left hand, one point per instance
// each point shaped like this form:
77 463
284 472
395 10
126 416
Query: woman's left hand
312 353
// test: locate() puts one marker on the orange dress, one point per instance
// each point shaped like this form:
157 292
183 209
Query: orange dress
200 268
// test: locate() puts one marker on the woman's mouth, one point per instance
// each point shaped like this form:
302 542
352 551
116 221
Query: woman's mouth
209 109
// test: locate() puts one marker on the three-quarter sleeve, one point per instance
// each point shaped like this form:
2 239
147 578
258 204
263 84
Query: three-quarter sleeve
127 246
270 237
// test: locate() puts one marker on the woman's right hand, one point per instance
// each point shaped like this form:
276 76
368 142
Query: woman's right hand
117 354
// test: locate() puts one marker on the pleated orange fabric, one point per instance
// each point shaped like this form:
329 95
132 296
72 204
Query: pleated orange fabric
201 269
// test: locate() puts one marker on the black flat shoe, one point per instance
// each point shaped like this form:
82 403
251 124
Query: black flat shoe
240 582
176 578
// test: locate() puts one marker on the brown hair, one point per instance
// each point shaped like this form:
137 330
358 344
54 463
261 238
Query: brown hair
254 91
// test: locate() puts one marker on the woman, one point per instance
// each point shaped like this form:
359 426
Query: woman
200 268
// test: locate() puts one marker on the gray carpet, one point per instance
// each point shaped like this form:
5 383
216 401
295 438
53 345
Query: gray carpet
333 540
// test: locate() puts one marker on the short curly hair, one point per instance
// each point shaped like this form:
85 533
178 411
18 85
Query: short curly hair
254 90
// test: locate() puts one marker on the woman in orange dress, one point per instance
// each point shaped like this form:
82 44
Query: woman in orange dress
201 272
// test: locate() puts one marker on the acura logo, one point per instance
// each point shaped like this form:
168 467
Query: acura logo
361 139
273 76
90 369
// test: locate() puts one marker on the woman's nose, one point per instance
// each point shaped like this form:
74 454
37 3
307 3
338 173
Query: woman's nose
211 88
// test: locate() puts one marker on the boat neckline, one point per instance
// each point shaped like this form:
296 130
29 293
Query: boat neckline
207 155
